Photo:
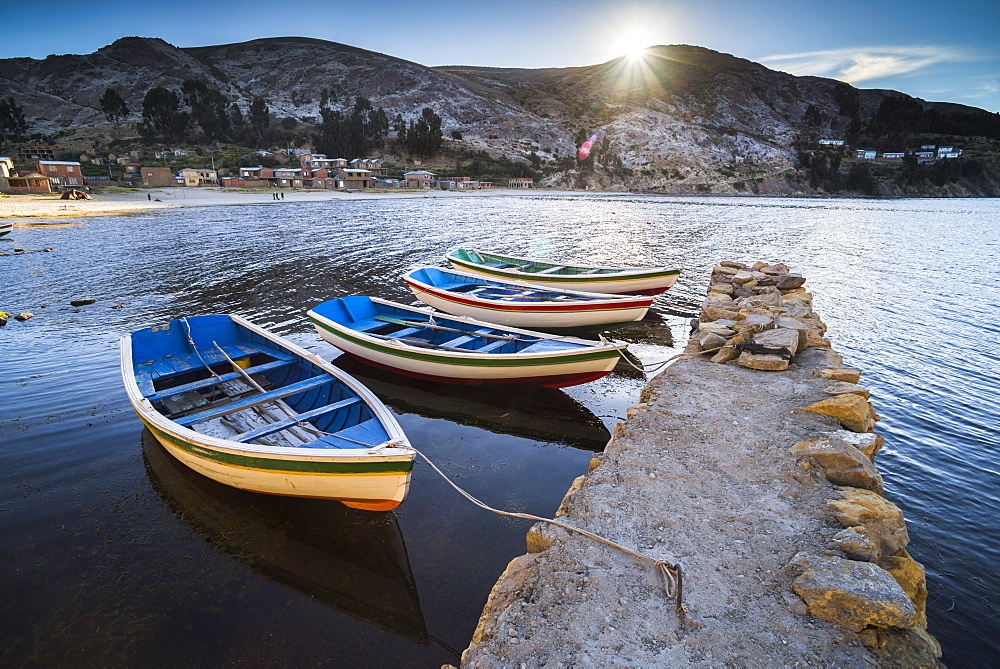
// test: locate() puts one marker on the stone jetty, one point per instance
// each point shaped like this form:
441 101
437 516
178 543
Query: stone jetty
750 462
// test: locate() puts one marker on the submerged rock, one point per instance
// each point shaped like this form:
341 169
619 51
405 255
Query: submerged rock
83 301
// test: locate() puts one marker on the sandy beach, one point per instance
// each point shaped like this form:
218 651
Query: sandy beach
124 203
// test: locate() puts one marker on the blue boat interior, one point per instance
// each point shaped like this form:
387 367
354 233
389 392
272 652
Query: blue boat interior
182 372
493 290
415 327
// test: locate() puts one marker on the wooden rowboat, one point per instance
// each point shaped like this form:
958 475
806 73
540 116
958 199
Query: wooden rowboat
427 344
552 274
251 410
520 304
6 227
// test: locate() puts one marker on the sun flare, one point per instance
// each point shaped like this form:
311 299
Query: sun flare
632 45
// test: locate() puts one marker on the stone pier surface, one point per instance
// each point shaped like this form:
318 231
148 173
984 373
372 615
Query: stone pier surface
756 474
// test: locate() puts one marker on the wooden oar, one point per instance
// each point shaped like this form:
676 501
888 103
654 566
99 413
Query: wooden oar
420 343
526 297
281 405
431 326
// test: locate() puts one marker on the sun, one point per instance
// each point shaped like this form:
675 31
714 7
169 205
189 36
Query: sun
635 53
632 45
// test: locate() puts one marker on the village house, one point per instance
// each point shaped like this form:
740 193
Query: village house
28 153
831 142
319 161
419 179
26 182
372 164
193 177
62 172
521 182
291 177
865 154
233 182
258 173
157 177
354 178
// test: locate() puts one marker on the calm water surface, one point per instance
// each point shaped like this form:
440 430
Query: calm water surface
114 554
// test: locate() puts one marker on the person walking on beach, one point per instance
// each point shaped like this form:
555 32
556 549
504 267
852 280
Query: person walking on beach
149 197
282 196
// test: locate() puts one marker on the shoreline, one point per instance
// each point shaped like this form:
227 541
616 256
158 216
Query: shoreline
134 203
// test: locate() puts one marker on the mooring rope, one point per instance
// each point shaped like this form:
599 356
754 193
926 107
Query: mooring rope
187 333
657 366
670 572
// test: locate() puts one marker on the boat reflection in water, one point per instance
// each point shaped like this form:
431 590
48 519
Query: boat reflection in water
531 412
353 561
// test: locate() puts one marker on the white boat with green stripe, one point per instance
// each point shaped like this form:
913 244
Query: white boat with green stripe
553 274
254 411
431 345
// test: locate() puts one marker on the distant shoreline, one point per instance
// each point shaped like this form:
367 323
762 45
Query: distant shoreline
149 200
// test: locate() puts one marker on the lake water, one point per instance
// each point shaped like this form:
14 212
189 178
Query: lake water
114 554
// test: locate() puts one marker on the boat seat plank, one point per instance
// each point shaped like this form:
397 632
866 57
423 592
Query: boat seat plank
591 271
277 394
364 434
291 422
212 380
549 347
457 342
366 325
405 332
491 346
552 270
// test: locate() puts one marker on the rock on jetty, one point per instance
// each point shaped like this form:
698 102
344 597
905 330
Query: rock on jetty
751 463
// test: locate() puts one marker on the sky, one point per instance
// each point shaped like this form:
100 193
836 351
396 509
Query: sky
931 49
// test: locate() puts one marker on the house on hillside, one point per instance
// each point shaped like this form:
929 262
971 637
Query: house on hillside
831 142
865 154
27 153
521 182
62 172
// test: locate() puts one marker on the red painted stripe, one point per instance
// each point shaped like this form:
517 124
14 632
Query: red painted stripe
552 381
483 303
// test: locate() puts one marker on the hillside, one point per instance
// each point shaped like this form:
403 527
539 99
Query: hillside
685 118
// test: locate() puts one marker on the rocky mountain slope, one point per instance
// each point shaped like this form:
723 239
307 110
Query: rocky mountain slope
684 115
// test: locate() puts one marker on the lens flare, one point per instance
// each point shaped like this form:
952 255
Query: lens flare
584 151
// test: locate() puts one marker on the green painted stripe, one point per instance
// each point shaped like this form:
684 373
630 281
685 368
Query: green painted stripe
564 278
472 360
277 466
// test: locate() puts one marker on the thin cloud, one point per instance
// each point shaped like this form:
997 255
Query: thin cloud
854 65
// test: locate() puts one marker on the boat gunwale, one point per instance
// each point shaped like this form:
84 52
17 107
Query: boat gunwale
593 298
658 270
589 347
147 411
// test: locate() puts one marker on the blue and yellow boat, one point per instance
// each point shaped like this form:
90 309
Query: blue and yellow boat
251 410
